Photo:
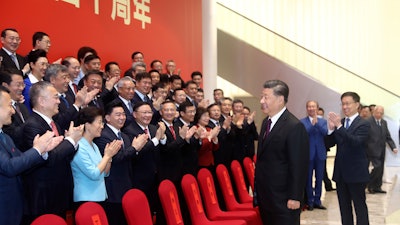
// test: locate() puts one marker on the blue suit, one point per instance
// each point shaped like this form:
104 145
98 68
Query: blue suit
89 184
12 164
316 134
25 93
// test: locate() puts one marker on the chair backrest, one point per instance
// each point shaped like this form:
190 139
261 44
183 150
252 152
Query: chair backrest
225 183
49 219
90 213
193 200
249 170
136 208
240 183
170 203
207 188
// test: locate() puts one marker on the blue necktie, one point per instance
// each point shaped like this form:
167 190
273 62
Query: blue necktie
65 101
347 123
120 138
146 99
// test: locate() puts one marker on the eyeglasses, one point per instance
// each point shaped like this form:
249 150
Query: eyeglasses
346 103
145 112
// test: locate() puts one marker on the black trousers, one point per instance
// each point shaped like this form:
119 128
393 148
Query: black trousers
350 194
376 174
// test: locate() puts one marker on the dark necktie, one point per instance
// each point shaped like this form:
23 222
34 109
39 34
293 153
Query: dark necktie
217 123
146 131
378 122
347 123
54 128
171 128
120 138
18 110
96 103
62 97
267 128
130 108
146 98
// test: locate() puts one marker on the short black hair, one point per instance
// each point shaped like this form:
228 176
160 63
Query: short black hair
153 62
199 112
90 72
352 94
109 108
184 105
4 32
279 88
141 76
90 58
87 115
140 104
34 55
196 73
83 51
135 53
38 36
109 64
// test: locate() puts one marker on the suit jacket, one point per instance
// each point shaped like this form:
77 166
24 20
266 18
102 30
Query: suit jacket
48 188
282 164
12 164
377 139
171 162
8 63
66 114
120 179
189 154
351 163
14 130
25 93
89 184
129 115
316 134
145 164
70 96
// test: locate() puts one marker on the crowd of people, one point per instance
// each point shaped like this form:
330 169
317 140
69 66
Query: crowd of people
72 132
109 131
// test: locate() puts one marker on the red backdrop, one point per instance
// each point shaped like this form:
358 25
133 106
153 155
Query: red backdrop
173 33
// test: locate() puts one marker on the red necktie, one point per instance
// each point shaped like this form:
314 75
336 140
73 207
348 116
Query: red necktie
54 128
75 88
171 128
146 131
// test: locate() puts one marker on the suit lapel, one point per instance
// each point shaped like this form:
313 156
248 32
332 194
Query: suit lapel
274 131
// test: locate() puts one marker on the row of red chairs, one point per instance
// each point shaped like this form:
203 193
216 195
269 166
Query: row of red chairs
137 210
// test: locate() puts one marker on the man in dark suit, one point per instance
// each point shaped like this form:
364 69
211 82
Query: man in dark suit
13 163
68 108
126 91
145 165
15 84
191 91
73 70
378 137
9 58
317 129
351 164
282 159
49 188
120 179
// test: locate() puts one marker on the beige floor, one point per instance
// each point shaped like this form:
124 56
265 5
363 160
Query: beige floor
377 206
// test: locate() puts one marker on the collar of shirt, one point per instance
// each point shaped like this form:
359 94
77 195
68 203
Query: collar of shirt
61 94
190 99
310 118
214 121
166 123
124 101
140 95
32 78
351 119
275 118
184 123
8 52
47 119
115 130
147 127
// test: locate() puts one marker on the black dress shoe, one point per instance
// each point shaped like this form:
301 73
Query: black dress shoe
371 191
319 207
330 189
310 208
379 191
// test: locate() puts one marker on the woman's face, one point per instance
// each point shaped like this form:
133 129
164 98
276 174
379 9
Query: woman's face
204 119
94 129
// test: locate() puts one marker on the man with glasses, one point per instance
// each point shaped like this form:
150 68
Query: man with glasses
351 164
144 168
9 58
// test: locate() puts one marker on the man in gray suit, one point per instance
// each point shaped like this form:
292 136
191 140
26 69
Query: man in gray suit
378 137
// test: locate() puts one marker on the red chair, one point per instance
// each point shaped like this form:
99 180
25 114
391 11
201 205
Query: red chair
90 213
196 210
249 170
170 203
214 212
227 191
49 219
237 173
136 208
